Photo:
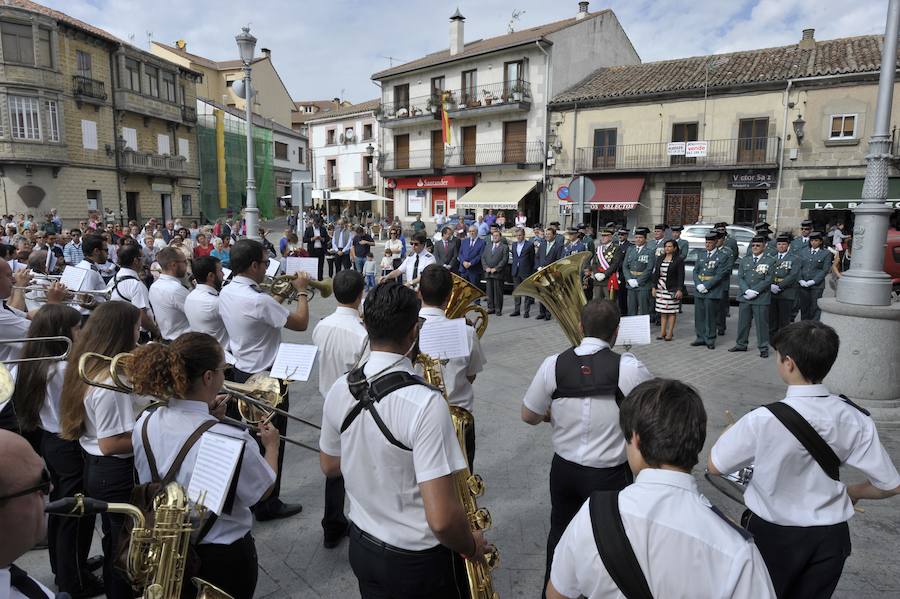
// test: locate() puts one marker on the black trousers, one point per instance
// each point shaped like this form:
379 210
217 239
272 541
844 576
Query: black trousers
334 522
724 307
470 447
622 295
320 255
804 562
780 313
69 539
570 486
341 262
495 293
233 568
8 420
517 300
330 261
809 302
111 479
386 572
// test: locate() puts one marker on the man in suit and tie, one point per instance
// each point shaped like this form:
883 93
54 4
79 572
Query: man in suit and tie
522 267
470 257
341 244
446 250
549 252
493 260
316 239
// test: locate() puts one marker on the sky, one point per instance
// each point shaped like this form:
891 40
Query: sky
329 48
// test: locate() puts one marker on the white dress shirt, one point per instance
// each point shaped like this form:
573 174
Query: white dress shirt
14 323
130 290
93 281
107 413
382 480
8 592
457 371
341 339
684 549
168 430
342 240
167 296
317 232
254 321
201 307
585 429
789 487
409 264
49 412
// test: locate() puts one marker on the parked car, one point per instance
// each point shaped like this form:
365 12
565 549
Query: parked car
695 235
691 259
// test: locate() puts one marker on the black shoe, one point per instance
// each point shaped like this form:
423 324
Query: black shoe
697 343
763 353
711 346
498 313
516 313
491 312
94 563
526 315
275 509
92 586
737 348
332 541
721 333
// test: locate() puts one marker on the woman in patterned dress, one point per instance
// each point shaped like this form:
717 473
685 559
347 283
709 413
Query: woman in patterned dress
669 276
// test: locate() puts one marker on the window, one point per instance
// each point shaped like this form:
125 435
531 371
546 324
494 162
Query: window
130 137
307 109
469 94
151 77
18 44
93 199
184 148
24 117
281 151
438 86
401 96
746 206
131 78
229 83
45 49
83 64
186 207
752 142
843 126
300 152
682 203
513 75
604 148
183 95
329 137
168 80
52 109
367 131
162 144
89 134
683 132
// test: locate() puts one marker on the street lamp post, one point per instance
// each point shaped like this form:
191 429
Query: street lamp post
246 45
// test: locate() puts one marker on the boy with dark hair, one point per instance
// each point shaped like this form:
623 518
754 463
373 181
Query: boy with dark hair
797 506
667 527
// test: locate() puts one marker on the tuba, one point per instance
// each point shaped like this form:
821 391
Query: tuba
462 301
558 287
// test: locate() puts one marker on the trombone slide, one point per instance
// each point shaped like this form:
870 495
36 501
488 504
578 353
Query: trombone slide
255 429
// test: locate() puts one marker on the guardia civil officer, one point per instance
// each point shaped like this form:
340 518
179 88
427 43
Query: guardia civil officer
785 283
605 264
638 266
755 275
680 544
683 247
710 283
624 244
802 240
815 264
728 253
763 228
578 392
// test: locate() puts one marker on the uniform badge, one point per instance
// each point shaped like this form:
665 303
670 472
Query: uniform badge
762 268
644 258
585 370
711 264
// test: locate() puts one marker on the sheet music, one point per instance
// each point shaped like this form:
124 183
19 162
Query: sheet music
273 267
73 278
634 330
217 461
308 265
294 361
447 339
226 273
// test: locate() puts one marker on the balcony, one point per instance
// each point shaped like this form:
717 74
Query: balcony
413 111
148 106
720 153
152 164
362 180
519 155
188 114
88 90
327 182
490 99
406 164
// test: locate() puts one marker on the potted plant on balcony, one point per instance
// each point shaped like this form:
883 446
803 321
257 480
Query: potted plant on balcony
488 97
518 91
416 111
403 112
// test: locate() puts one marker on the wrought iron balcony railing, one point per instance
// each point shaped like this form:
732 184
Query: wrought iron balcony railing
750 151
88 88
189 114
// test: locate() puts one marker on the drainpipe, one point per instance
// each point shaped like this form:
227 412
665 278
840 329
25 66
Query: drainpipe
379 180
112 86
787 94
546 127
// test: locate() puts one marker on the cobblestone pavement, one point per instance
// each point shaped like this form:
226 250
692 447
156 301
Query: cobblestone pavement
514 460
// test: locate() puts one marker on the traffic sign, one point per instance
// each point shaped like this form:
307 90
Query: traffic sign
563 193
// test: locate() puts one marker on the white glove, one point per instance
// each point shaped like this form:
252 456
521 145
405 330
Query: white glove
632 283
600 277
751 294
775 288
701 288
806 283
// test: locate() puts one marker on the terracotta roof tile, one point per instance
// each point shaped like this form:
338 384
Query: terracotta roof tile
63 18
225 65
346 110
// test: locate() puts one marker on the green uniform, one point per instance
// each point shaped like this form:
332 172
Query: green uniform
709 271
786 279
797 244
683 247
731 244
638 266
730 256
755 275
814 266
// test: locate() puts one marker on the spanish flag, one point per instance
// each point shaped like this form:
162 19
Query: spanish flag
445 120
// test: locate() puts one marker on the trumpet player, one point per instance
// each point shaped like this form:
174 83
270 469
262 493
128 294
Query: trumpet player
127 286
167 294
14 320
95 255
202 304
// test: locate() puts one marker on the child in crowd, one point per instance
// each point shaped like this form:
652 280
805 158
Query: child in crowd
369 271
387 263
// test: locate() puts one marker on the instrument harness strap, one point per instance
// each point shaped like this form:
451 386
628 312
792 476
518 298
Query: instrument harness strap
116 282
614 547
811 440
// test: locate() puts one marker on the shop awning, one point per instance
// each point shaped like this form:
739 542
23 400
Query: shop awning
357 196
841 194
496 195
616 194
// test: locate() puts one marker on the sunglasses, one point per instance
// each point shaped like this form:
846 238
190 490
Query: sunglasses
44 487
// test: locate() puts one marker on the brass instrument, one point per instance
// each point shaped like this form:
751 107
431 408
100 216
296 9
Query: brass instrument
156 556
87 299
462 301
468 488
282 286
7 384
558 287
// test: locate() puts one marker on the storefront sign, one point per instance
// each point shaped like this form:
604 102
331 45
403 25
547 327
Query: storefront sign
414 200
612 205
675 148
695 149
841 204
751 180
432 182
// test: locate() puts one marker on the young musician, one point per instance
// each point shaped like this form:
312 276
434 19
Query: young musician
102 420
407 523
201 307
96 254
459 373
127 286
167 294
578 391
796 510
254 320
189 374
682 545
341 339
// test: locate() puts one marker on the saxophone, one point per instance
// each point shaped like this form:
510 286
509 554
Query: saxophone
468 488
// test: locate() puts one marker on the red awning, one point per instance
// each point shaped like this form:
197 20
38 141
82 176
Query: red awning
616 194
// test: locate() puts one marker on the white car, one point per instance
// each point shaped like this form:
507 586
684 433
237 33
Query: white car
695 235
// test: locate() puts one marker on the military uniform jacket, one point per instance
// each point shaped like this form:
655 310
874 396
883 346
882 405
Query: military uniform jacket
757 277
614 255
639 265
730 257
787 275
657 246
683 247
574 248
731 244
815 265
797 244
711 272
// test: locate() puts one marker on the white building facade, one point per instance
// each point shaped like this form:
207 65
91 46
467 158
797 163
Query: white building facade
291 164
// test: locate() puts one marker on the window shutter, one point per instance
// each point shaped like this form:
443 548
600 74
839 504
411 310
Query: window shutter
162 144
89 134
130 137
184 148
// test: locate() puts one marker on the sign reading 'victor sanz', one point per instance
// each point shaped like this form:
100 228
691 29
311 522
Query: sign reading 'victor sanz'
751 180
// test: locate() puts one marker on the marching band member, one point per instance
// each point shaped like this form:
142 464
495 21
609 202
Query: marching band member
201 307
397 457
127 286
668 525
341 339
102 420
192 368
578 392
459 373
167 294
95 256
254 320
415 262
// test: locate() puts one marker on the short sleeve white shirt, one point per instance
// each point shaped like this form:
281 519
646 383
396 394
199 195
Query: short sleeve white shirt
129 290
107 413
254 321
382 479
167 296
93 281
789 487
14 324
49 412
458 370
585 429
684 549
409 264
201 307
168 430
341 339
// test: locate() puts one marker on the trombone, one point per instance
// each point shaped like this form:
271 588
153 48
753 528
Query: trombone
7 384
87 299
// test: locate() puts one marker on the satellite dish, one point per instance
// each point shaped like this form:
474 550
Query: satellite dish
238 88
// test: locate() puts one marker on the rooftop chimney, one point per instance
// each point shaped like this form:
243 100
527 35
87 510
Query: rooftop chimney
808 40
181 45
582 10
456 33
267 52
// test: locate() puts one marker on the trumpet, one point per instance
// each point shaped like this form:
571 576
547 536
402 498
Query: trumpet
7 384
87 299
282 286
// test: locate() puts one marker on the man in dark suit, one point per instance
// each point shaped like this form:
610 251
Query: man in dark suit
316 239
522 268
622 297
446 251
493 260
470 257
549 252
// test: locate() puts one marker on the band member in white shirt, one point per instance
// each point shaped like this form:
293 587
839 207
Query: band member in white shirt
95 256
201 307
578 392
435 286
127 286
167 294
397 457
254 320
341 339
680 545
415 261
192 369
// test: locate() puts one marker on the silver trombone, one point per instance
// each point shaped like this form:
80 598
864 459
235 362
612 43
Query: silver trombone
85 299
7 384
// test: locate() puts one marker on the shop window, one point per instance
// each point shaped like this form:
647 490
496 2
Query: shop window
843 126
746 206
